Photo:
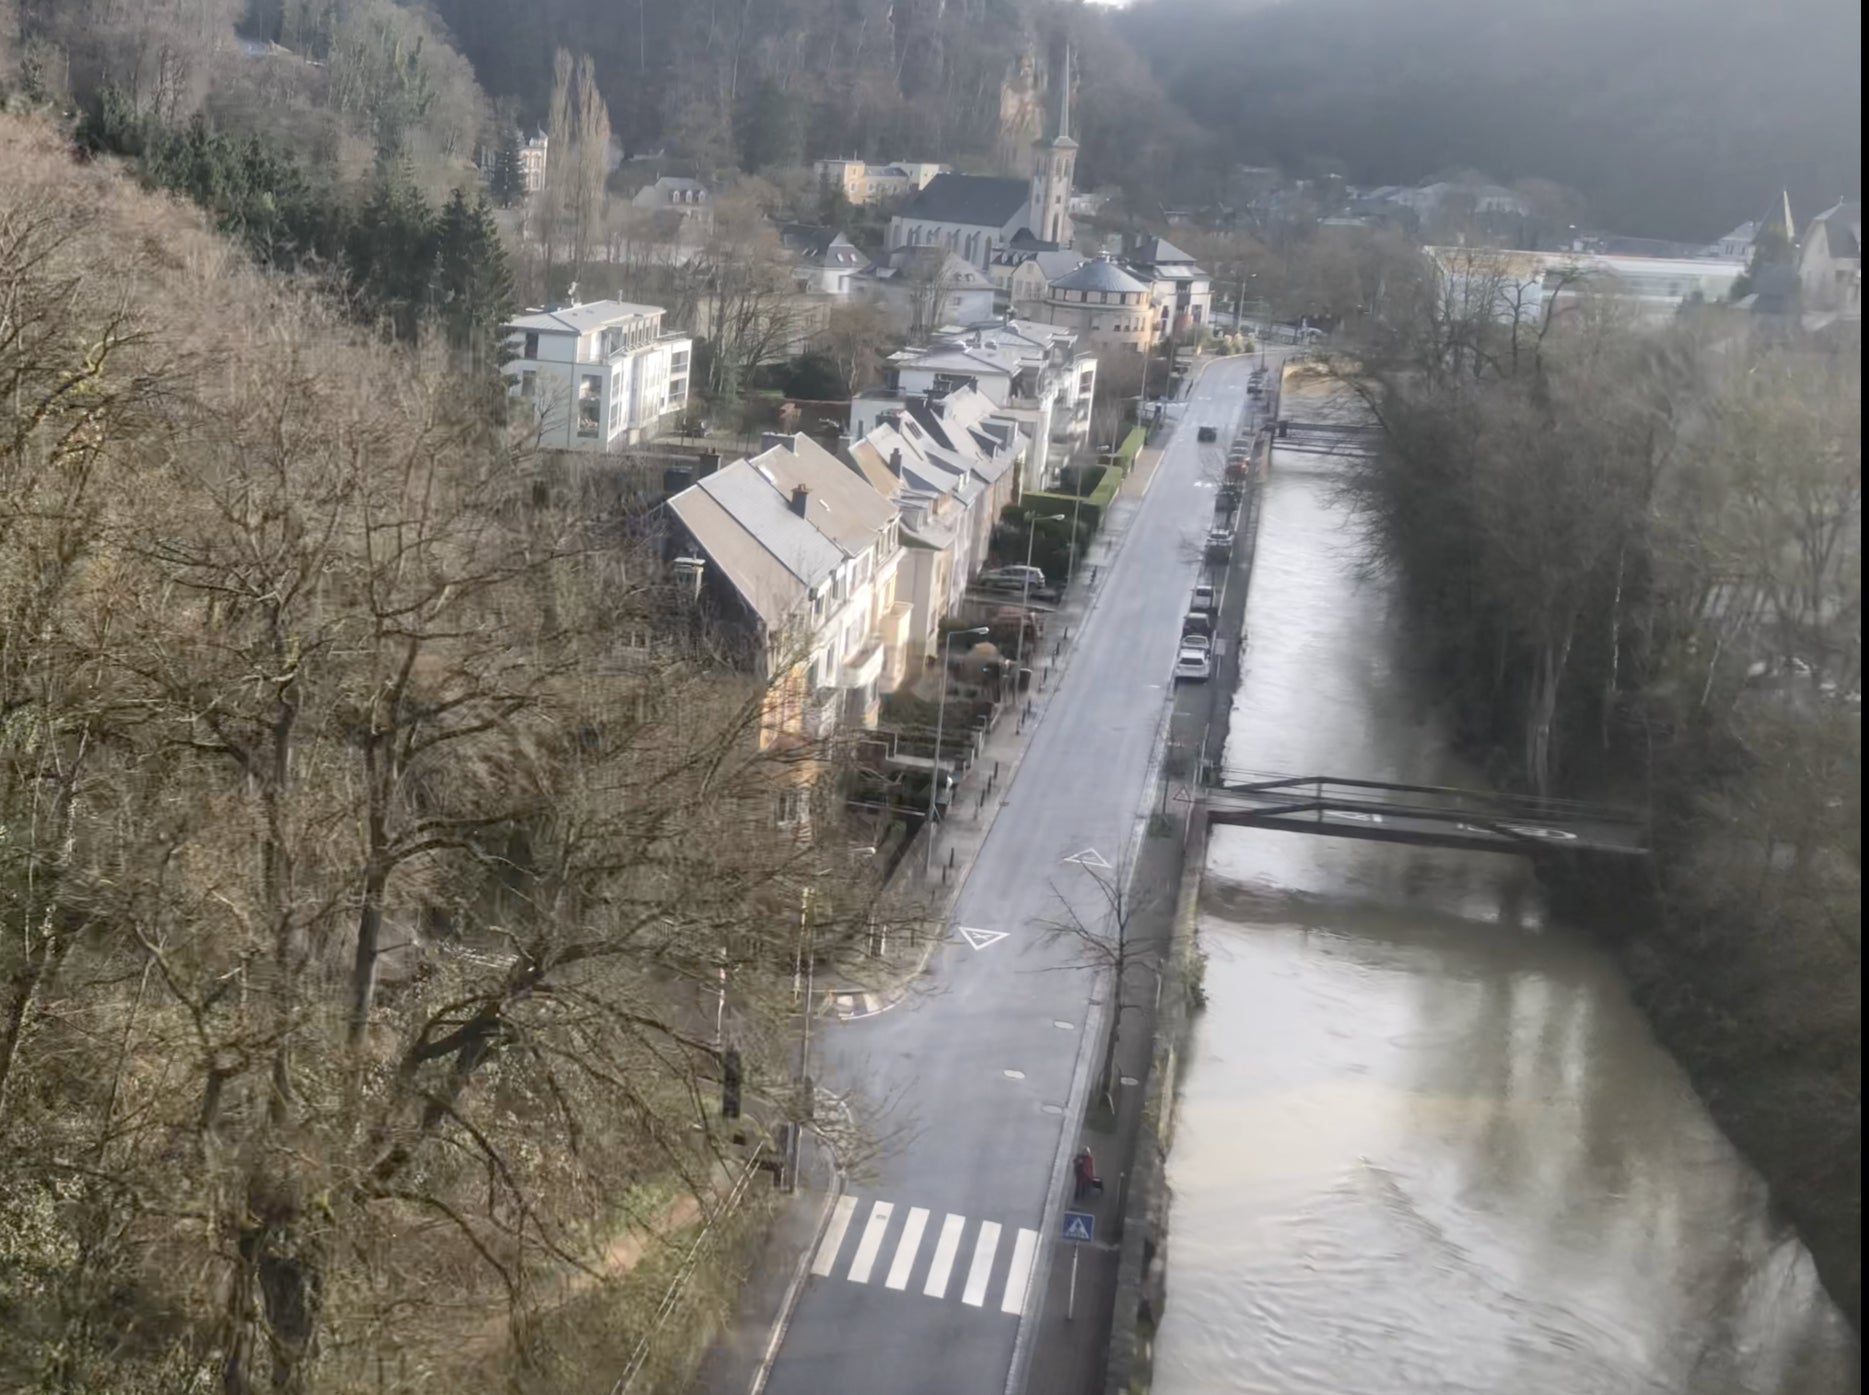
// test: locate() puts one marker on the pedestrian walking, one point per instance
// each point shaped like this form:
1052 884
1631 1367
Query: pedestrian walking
1087 1180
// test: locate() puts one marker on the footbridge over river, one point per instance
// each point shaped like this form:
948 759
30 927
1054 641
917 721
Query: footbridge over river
1431 815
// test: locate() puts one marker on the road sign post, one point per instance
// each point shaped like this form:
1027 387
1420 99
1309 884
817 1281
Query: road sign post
1080 1229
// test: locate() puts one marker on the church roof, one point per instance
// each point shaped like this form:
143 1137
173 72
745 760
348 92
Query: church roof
975 200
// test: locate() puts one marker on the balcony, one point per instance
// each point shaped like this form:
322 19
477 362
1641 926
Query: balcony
864 667
819 720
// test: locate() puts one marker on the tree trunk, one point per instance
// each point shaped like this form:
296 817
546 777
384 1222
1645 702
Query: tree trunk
1546 683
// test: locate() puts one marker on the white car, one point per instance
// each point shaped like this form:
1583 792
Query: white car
1193 666
1204 643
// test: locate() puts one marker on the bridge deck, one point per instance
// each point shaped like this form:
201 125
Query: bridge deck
1431 815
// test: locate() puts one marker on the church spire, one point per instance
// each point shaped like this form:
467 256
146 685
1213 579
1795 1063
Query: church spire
1064 99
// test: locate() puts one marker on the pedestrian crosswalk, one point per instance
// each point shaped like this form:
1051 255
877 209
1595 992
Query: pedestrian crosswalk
950 1267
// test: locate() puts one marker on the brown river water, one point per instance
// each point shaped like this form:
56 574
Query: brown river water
1426 1142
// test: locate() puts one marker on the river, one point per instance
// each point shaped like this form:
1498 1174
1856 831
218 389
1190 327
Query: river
1426 1142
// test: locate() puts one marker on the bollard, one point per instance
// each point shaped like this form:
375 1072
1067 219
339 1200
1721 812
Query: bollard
950 858
982 808
995 770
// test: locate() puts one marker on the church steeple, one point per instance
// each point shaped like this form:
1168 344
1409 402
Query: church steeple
1053 163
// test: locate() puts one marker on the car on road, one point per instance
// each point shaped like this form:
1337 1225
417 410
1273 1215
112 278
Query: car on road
1197 623
1204 598
1027 581
1193 666
1208 433
1204 643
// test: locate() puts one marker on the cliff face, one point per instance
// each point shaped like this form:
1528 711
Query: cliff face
1022 104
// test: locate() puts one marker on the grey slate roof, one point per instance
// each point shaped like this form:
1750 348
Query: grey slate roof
974 199
1153 251
772 557
823 246
1099 274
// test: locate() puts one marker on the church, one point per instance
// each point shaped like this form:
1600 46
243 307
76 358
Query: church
978 217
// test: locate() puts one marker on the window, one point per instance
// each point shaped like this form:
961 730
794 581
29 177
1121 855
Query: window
532 344
529 384
790 807
590 404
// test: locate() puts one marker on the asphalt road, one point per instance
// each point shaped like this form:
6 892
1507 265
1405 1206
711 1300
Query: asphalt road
921 1284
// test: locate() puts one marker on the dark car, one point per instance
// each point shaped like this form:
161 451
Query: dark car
1209 433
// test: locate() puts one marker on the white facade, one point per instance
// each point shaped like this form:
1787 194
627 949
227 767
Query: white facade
598 377
1509 285
1038 378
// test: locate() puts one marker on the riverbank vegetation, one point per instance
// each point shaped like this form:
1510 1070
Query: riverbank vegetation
1633 555
366 881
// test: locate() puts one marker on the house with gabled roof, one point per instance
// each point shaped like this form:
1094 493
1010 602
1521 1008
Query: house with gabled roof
1830 261
800 557
1180 293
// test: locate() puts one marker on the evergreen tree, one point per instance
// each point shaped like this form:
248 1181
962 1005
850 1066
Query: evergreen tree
392 254
473 283
507 182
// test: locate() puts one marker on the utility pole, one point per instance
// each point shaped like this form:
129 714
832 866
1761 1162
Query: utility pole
1025 608
934 775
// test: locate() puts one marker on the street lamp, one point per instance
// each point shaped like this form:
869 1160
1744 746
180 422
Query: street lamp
934 775
1025 596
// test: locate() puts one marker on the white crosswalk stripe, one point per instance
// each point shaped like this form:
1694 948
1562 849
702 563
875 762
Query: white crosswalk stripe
983 1266
871 1243
1024 1250
980 1273
834 1236
942 1269
906 1249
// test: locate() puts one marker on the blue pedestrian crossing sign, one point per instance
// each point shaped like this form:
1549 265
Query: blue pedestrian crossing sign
1080 1227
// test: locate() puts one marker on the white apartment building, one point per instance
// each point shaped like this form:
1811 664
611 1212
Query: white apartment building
1525 286
1037 376
598 376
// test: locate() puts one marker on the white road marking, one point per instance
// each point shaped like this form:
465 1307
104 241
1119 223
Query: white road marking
905 1251
1024 1251
981 1269
981 939
834 1237
942 1266
872 1241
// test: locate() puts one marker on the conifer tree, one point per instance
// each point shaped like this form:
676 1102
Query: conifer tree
473 286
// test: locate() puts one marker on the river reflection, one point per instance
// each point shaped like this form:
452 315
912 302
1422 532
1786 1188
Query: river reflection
1426 1142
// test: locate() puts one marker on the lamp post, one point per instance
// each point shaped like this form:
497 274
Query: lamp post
1025 599
934 775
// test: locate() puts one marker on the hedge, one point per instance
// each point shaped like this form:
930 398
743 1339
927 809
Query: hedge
1131 447
1087 510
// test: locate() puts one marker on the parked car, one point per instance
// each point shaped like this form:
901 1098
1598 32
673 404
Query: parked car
1208 433
1204 643
1198 623
1028 582
1204 598
1193 666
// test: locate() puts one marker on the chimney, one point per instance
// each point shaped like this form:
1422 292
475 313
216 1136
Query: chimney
708 463
801 497
895 462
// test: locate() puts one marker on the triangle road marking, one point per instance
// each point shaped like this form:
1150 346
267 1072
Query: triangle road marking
1089 857
980 939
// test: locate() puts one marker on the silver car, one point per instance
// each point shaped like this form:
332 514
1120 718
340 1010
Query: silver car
1193 666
